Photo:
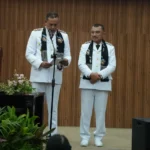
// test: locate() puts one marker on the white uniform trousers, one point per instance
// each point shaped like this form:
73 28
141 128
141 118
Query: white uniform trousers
89 99
47 89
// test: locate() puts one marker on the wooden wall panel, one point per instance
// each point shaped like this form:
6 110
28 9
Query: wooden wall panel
127 27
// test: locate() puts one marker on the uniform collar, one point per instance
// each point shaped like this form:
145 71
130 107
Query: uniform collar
94 46
47 33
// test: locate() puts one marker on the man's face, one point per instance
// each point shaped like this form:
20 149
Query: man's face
97 34
52 24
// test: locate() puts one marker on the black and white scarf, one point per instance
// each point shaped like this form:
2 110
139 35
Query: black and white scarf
104 58
59 41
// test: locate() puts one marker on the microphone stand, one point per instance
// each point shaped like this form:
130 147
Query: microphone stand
53 84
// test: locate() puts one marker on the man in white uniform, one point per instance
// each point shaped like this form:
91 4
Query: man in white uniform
41 46
96 62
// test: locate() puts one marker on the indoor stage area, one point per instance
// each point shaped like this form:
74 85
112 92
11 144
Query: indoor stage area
115 139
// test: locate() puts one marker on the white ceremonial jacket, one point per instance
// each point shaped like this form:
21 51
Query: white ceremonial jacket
33 55
96 65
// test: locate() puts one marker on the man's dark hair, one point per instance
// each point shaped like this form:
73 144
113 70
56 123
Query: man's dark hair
58 142
98 25
52 15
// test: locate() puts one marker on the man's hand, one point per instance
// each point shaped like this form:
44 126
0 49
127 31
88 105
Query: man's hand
94 77
64 62
45 64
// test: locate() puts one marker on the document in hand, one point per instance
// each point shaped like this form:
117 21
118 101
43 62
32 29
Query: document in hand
57 61
64 62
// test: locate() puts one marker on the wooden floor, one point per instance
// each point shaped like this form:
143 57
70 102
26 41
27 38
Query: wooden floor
115 139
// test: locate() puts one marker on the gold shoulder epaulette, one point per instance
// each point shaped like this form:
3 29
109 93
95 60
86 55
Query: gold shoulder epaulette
62 31
109 43
38 29
87 42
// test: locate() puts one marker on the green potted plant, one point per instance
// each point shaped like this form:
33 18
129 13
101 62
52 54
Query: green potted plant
20 132
3 87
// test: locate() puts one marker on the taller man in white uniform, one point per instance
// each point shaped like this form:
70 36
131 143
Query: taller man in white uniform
41 45
96 62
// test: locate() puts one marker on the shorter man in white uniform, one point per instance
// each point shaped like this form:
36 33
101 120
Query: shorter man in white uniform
41 46
96 62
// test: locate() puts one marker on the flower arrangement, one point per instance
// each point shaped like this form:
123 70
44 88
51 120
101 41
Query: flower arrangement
19 84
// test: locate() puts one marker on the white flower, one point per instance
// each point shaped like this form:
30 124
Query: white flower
16 75
14 83
22 75
20 81
10 83
19 78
